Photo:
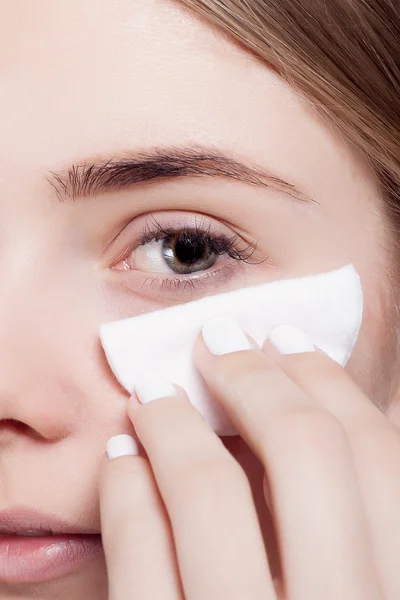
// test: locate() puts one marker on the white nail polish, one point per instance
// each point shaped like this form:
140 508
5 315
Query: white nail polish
289 340
122 445
153 386
222 335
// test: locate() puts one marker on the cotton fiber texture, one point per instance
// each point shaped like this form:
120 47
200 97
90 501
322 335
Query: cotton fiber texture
327 307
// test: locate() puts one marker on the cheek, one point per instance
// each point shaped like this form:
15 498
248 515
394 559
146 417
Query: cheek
374 360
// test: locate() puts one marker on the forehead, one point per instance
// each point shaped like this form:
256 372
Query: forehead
85 76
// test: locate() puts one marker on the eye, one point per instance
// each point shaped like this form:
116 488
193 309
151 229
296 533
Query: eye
183 253
180 253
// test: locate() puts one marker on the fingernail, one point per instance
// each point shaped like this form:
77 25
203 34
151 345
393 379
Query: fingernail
222 335
152 387
290 340
122 445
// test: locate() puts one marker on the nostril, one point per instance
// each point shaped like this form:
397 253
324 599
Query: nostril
13 424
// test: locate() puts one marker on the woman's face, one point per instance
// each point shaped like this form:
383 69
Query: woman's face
93 82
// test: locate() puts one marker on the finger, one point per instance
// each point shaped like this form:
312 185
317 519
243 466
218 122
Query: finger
136 534
217 535
374 440
316 502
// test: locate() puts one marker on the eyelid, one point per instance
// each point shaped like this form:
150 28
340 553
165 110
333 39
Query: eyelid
134 232
219 245
169 289
175 290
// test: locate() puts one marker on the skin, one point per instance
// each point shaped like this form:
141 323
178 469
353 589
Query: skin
83 81
333 495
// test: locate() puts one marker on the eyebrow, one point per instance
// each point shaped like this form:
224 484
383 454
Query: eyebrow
88 179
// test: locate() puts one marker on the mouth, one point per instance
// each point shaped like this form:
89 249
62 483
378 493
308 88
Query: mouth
35 547
31 533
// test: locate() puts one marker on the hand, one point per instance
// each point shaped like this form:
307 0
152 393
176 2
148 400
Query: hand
180 523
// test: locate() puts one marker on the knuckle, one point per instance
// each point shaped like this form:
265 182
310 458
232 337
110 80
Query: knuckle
135 497
249 373
308 428
208 482
241 365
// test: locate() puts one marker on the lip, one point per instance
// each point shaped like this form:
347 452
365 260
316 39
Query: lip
22 519
44 558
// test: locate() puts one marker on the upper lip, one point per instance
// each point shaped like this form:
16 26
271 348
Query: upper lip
26 519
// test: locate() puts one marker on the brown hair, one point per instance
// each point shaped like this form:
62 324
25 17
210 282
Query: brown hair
344 55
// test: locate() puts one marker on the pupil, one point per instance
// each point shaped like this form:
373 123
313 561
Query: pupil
189 251
185 253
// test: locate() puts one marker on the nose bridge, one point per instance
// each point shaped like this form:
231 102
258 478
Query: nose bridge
41 319
32 304
46 285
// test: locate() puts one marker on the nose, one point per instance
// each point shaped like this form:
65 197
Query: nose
47 346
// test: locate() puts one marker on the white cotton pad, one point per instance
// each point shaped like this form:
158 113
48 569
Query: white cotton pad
327 307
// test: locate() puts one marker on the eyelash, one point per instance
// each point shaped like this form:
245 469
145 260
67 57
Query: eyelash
220 244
